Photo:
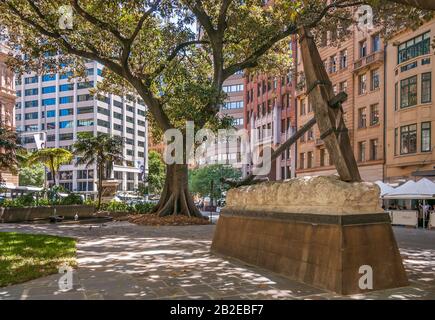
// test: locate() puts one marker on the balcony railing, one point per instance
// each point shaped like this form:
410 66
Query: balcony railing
375 57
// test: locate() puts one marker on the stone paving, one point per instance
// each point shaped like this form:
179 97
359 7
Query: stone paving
119 260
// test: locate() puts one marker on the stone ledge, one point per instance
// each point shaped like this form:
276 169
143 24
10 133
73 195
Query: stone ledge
308 195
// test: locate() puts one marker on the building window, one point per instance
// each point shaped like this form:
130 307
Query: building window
233 88
301 160
322 157
85 85
48 77
65 175
362 118
426 137
63 100
426 87
343 59
84 110
84 97
310 159
363 49
333 64
65 124
376 43
65 136
408 139
30 116
310 135
396 93
31 104
66 112
396 138
303 111
374 75
233 105
408 92
374 149
31 92
50 89
30 80
362 84
85 123
103 123
66 87
310 107
343 86
374 114
413 48
362 151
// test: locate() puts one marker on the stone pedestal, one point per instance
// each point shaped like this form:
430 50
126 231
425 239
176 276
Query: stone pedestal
317 230
109 190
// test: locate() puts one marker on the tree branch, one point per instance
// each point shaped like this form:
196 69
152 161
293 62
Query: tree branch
97 22
174 54
142 21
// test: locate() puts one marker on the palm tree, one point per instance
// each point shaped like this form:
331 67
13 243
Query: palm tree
102 150
52 158
8 149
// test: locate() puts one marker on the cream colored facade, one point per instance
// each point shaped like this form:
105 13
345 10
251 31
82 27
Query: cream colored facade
7 102
355 66
409 100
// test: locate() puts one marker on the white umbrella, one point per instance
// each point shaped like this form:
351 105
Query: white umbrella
385 188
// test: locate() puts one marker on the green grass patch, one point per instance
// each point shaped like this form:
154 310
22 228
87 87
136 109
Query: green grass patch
24 257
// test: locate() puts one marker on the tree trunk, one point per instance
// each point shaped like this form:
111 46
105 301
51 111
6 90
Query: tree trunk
100 186
53 173
175 198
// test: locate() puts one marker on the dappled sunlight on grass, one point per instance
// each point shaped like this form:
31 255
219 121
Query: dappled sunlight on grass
24 256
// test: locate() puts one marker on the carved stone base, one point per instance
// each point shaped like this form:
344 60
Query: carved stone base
325 250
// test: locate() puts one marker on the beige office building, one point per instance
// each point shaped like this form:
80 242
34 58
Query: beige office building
354 66
409 113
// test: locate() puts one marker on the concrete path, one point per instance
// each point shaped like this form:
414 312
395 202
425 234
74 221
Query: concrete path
119 260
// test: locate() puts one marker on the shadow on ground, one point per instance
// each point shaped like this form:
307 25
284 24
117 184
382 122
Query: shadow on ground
123 261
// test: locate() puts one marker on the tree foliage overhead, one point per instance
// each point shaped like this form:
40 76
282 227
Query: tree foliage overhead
151 47
52 158
206 181
156 172
32 175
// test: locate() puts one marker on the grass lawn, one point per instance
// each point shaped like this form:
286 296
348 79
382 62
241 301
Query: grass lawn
25 257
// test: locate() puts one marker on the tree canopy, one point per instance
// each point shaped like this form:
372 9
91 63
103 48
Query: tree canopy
206 181
152 47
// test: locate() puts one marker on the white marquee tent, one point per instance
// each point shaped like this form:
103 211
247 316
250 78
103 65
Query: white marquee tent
385 188
423 189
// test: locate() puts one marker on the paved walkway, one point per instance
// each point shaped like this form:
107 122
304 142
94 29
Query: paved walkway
119 260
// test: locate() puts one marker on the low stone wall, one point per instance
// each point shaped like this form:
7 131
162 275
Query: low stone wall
8 215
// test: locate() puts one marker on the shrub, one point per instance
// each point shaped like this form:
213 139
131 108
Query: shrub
71 199
117 206
11 203
142 208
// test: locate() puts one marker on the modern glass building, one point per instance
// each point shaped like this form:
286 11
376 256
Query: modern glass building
56 108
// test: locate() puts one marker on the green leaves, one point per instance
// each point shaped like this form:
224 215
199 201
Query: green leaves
206 181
